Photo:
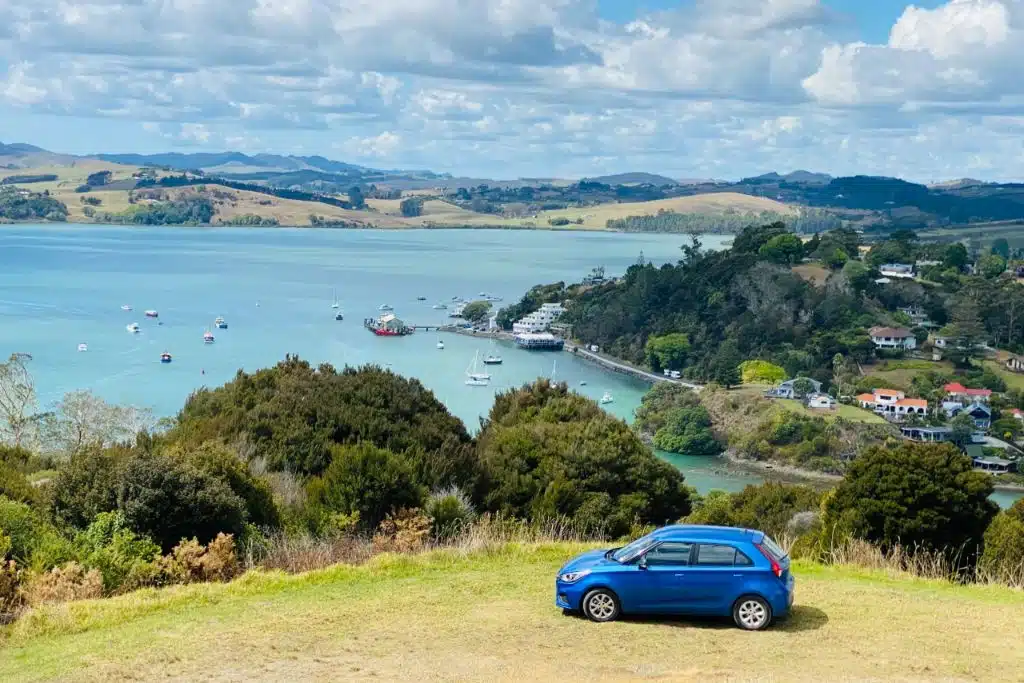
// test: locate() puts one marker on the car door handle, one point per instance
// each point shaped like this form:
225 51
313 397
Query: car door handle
739 576
680 575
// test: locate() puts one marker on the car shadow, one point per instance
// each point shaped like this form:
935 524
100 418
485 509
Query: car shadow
801 618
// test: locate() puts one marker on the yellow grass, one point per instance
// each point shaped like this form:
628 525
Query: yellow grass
447 616
813 273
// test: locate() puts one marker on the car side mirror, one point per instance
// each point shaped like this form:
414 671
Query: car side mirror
642 564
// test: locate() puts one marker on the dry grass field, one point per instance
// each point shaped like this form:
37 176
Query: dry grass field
488 616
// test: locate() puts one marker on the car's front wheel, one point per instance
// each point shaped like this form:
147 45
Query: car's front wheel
601 605
752 613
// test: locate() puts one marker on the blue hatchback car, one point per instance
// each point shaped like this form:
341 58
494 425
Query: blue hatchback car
682 569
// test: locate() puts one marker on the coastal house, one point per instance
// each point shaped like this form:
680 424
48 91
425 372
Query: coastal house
821 402
893 338
927 434
916 314
1015 364
538 321
958 392
994 465
897 270
927 263
893 405
979 412
786 390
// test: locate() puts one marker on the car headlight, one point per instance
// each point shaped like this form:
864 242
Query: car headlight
573 577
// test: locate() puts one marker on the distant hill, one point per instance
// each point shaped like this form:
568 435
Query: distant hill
956 184
801 177
18 149
223 161
635 178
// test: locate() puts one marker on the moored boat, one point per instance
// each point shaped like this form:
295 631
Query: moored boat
385 307
83 347
440 344
607 398
132 327
165 357
473 376
339 316
220 323
208 337
152 314
387 325
440 307
126 307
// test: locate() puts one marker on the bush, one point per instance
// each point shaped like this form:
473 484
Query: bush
761 372
405 531
558 221
63 584
22 528
1003 557
191 562
123 559
771 508
920 496
450 512
87 485
368 481
548 453
170 501
688 430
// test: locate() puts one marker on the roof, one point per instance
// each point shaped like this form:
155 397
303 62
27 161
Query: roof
912 402
979 392
1002 462
720 533
928 430
899 332
866 397
957 388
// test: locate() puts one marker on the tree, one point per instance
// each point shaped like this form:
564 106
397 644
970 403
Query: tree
1003 557
761 372
802 387
81 418
857 274
356 198
752 238
688 431
786 249
18 416
667 351
1001 247
955 257
991 266
726 370
87 485
169 501
768 507
963 428
366 481
547 452
921 496
412 207
966 330
476 311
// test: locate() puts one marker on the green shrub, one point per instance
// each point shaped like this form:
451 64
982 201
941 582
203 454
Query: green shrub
450 512
124 559
87 485
761 372
365 480
1003 556
169 500
769 507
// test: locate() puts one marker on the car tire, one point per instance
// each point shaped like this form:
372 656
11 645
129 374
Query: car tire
752 613
601 605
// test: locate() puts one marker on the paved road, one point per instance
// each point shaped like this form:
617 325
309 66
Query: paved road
626 368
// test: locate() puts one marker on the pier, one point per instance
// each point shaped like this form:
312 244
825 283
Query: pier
618 366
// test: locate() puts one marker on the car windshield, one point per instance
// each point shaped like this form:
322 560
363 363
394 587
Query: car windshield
631 550
773 548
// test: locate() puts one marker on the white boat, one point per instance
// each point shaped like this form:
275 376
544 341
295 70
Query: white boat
126 307
334 294
440 307
473 375
83 347
492 357
208 337
132 327
220 323
440 344
385 307
152 314
607 398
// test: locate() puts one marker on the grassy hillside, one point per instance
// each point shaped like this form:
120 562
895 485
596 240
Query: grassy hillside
384 214
489 617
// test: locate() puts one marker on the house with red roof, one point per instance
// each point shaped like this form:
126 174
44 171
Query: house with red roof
958 392
893 405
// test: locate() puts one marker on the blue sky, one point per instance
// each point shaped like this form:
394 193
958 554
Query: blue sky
506 88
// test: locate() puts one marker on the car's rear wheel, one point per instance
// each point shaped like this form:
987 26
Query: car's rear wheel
601 605
752 613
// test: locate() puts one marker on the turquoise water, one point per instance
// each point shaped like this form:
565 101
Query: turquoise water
64 285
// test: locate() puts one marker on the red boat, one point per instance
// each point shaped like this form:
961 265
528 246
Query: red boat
387 325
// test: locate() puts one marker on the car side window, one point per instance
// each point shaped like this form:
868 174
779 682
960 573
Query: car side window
716 555
742 560
671 554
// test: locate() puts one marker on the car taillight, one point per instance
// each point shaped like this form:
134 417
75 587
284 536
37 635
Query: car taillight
776 567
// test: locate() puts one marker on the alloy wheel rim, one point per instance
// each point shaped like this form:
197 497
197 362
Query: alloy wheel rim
602 606
752 613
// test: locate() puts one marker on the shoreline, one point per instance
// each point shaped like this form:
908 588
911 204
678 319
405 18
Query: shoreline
787 471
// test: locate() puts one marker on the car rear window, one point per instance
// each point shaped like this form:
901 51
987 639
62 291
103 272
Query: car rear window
772 547
716 555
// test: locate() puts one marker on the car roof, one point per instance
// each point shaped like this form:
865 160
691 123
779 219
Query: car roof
708 533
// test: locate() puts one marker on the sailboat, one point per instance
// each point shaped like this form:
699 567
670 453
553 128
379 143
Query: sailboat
492 357
440 344
208 337
607 398
473 376
334 294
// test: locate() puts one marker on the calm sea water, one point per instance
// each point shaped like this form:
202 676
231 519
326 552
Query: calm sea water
64 285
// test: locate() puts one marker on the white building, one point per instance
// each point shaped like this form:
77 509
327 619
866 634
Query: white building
538 321
900 270
821 402
898 338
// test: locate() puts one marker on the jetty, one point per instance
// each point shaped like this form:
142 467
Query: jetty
624 368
